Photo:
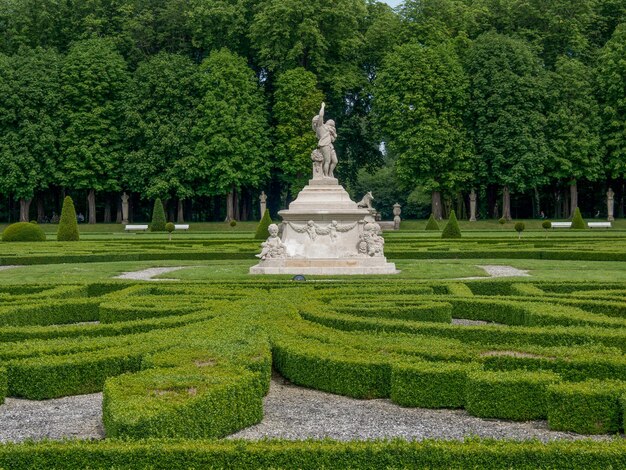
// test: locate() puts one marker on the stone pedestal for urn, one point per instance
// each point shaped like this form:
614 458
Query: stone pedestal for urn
324 232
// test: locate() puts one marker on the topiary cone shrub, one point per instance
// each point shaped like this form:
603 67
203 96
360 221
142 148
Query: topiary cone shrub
432 223
68 226
23 232
577 221
451 230
158 217
261 229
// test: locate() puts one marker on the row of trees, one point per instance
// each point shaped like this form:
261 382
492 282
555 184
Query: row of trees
190 100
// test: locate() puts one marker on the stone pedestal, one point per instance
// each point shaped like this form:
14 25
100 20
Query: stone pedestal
325 233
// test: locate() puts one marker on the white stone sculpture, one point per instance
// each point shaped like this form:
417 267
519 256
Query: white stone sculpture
125 199
472 206
324 231
326 136
273 247
396 216
366 202
610 201
262 203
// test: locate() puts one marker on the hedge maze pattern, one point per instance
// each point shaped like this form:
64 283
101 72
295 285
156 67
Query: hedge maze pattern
195 360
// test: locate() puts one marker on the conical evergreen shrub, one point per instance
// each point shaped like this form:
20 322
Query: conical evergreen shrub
261 229
68 226
158 217
432 223
451 230
577 221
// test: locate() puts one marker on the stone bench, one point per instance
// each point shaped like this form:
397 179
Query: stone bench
130 228
181 226
561 225
599 224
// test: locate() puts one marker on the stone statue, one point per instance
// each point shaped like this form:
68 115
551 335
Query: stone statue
318 163
472 206
313 229
263 202
326 135
610 197
273 247
366 202
396 216
125 199
370 242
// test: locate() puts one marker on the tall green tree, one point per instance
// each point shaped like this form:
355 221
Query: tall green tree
508 91
321 36
296 100
160 114
94 83
30 126
573 126
232 131
611 77
419 103
553 27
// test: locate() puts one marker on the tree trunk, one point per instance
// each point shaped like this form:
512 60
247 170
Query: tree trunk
107 210
573 197
41 211
436 205
230 206
236 205
506 204
180 216
91 202
24 209
565 213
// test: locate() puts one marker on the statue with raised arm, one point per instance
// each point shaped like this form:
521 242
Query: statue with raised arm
326 135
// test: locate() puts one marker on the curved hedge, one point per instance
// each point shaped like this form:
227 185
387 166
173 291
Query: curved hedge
192 361
23 232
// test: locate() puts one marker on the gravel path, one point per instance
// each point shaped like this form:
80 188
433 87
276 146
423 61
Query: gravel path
148 274
3 268
69 417
291 412
497 271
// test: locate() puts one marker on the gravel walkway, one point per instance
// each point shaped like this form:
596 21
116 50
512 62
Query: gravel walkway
148 274
69 417
291 412
497 271
3 268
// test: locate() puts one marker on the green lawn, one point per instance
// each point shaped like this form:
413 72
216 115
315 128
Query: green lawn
604 271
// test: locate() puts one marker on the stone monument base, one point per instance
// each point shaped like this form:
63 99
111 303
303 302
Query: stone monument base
325 266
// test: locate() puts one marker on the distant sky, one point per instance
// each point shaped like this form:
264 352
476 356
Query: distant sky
393 3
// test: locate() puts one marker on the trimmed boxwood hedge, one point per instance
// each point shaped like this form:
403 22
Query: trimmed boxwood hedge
430 384
318 335
518 395
310 454
192 402
590 407
3 384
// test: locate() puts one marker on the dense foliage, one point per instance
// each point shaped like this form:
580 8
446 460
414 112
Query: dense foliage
205 104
